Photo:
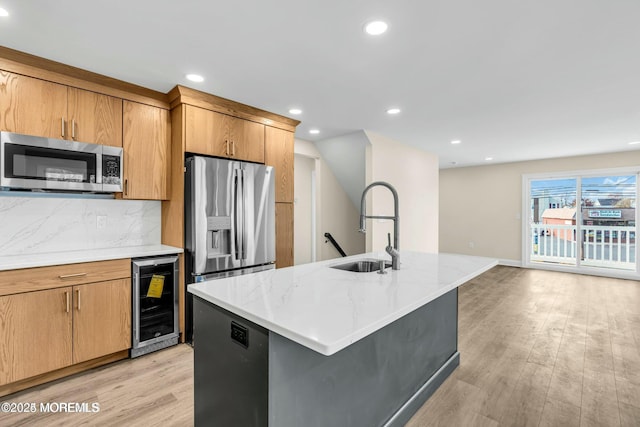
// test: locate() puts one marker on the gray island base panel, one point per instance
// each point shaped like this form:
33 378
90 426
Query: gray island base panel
260 378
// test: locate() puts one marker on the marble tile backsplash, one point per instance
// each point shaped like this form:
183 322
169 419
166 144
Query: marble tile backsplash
30 225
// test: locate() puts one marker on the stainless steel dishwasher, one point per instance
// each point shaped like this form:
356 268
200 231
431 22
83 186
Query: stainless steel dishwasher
155 303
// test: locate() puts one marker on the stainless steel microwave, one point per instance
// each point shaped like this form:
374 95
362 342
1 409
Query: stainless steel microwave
32 162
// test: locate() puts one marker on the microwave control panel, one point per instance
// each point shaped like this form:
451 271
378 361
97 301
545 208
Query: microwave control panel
110 169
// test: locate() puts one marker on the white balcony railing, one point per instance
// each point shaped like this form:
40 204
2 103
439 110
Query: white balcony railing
599 246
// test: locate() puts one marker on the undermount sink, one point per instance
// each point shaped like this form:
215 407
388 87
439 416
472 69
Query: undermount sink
362 266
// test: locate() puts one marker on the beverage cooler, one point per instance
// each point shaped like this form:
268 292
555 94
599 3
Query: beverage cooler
155 303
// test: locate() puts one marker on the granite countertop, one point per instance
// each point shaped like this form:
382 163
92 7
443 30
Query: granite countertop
327 309
13 262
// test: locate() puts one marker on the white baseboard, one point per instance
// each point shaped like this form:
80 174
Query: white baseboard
510 262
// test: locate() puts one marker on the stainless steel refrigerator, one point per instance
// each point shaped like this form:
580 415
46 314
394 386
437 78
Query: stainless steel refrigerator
229 221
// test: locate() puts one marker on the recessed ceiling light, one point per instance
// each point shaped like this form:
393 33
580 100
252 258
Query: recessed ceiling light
393 111
488 159
453 163
314 131
634 143
195 78
375 28
456 141
295 111
3 12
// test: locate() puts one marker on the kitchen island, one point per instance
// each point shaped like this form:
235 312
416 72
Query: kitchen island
317 346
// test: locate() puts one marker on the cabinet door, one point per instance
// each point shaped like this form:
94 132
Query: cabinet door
94 118
207 132
32 106
101 319
35 333
146 143
284 235
279 154
247 141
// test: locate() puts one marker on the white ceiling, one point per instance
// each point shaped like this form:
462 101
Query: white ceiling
514 80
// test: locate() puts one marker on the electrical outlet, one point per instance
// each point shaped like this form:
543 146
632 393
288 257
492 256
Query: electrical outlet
472 245
240 334
101 222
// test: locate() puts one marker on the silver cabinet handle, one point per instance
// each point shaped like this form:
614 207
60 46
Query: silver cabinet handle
78 290
70 276
233 147
73 129
62 128
126 187
226 147
66 295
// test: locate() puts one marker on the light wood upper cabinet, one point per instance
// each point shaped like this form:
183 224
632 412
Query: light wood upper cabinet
102 319
247 140
146 142
94 118
279 154
35 333
32 106
37 107
207 132
215 134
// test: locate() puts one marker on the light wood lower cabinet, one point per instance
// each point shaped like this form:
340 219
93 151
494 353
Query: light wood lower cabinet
284 235
101 319
60 318
48 330
35 333
60 276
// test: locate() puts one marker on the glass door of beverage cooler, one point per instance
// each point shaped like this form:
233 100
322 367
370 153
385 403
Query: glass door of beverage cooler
155 304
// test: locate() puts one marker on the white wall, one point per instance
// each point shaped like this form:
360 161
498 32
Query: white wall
50 224
345 155
336 212
414 175
482 205
303 168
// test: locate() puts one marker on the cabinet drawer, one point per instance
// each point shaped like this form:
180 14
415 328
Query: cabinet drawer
40 278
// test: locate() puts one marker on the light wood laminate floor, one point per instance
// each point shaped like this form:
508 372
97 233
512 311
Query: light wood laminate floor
541 348
537 348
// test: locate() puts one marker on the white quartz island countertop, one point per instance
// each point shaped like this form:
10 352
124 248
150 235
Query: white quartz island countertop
327 309
13 262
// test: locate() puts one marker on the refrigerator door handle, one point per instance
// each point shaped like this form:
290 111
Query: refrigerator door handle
237 214
244 218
